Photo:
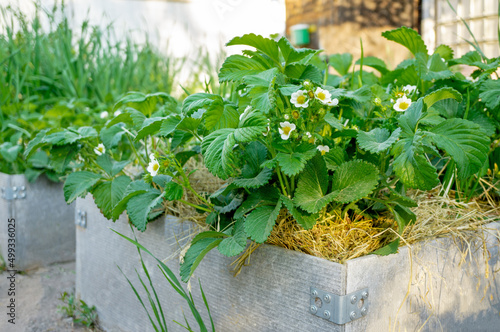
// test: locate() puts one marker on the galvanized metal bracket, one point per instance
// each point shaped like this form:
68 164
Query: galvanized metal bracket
12 193
81 219
339 309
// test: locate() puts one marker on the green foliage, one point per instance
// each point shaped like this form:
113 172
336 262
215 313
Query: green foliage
153 297
78 184
80 311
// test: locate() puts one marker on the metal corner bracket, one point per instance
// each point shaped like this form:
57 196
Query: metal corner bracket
81 219
12 193
339 309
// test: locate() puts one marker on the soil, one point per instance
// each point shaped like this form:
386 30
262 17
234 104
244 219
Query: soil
36 299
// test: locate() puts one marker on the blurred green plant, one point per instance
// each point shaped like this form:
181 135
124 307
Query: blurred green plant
153 299
78 310
54 76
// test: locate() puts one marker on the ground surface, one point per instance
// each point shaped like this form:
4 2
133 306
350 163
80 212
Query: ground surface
36 297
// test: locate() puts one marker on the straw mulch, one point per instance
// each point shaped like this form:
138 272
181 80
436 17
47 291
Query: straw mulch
339 238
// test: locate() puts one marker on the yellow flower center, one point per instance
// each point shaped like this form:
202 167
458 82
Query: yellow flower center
321 96
286 130
403 105
311 140
100 149
156 167
323 152
301 99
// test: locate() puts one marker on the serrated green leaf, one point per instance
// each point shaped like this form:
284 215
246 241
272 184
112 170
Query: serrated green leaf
334 158
109 193
111 136
10 151
490 93
354 180
61 157
411 165
78 184
304 72
303 218
110 166
312 188
195 255
442 94
150 126
378 139
259 180
341 63
433 68
173 191
447 108
293 163
221 116
200 100
333 121
465 142
236 67
263 196
411 117
217 147
407 37
487 125
35 143
133 189
259 223
235 244
291 54
444 52
265 45
262 89
139 207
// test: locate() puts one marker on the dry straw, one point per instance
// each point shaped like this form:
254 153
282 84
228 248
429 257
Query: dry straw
339 238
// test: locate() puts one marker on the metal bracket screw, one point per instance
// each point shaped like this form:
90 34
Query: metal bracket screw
12 193
81 219
339 309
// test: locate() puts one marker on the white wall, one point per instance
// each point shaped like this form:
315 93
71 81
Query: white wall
183 26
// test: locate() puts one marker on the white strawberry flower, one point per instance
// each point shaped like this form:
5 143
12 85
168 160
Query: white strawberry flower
333 102
286 129
409 89
324 96
402 104
323 149
300 99
116 113
153 167
104 115
100 149
308 134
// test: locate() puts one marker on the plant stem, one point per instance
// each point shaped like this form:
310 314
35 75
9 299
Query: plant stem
195 206
136 153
